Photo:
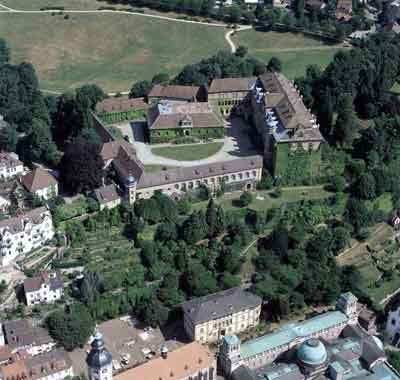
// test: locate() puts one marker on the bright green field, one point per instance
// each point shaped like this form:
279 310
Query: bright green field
110 50
294 50
188 153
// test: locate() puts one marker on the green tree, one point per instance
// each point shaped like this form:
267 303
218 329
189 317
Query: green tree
38 146
234 13
140 89
81 167
357 214
338 184
194 228
154 313
71 327
199 281
211 217
8 138
366 187
274 64
245 199
166 232
241 51
162 78
346 124
4 52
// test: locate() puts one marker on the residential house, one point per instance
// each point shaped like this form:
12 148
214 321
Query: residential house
40 183
23 233
170 121
174 93
10 166
21 335
5 202
208 319
228 94
47 287
55 365
192 361
108 197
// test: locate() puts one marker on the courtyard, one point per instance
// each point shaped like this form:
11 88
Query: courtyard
236 144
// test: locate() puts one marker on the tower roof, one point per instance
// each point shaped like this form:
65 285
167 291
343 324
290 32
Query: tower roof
98 356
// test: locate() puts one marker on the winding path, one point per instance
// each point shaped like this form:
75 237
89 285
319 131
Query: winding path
230 33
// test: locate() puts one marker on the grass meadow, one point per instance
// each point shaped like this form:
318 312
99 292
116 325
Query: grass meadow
110 50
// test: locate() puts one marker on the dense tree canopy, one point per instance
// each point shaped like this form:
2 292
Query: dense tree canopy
71 327
81 167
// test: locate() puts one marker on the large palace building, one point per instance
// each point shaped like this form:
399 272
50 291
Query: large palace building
289 131
272 106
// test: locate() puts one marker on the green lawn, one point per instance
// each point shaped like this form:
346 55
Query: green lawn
294 49
288 196
189 152
28 5
110 50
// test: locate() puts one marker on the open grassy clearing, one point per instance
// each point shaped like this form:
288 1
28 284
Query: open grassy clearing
188 153
288 196
110 50
294 49
377 259
32 5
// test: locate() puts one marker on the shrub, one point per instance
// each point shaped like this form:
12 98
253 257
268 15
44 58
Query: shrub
245 199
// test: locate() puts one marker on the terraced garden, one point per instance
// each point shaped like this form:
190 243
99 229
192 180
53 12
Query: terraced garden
377 259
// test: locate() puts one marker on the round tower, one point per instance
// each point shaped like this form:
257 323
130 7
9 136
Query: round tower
130 189
99 360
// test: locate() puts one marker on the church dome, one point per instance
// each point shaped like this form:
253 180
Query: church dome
98 356
312 352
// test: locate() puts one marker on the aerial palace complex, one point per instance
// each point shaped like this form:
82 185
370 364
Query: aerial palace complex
271 107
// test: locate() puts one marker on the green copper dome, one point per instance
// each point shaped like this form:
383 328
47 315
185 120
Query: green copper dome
312 352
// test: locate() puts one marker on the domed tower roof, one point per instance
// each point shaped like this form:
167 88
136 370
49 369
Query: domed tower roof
312 352
98 356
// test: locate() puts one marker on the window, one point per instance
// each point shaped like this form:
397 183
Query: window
393 322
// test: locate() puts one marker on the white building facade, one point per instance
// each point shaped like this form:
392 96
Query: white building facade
45 288
10 166
21 234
